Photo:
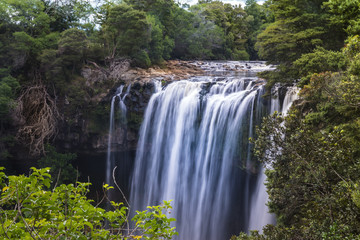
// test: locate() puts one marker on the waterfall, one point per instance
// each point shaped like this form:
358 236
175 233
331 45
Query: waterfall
290 97
121 111
275 101
260 216
109 155
122 106
194 149
157 84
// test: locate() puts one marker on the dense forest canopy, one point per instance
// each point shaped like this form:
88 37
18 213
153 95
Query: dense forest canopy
45 44
314 180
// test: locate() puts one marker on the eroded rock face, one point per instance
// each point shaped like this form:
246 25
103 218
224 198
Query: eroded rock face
171 71
88 131
84 133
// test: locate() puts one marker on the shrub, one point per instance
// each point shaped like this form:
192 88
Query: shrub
29 210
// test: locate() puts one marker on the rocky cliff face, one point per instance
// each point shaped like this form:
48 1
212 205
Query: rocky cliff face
87 129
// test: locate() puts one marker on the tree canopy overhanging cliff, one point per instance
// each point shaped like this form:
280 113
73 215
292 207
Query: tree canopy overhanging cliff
45 45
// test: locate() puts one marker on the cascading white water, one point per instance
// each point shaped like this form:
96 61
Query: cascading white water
275 101
260 216
290 97
122 106
157 84
110 158
109 155
194 149
259 213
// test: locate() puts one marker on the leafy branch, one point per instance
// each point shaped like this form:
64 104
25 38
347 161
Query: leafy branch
29 209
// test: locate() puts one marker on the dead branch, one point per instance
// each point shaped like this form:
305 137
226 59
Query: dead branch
99 68
39 116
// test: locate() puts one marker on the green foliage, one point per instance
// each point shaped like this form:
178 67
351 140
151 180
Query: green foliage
26 15
254 235
21 49
72 46
306 183
49 63
352 51
227 26
156 45
258 17
160 28
77 96
154 223
240 55
300 27
274 45
169 45
96 118
125 31
163 10
345 14
314 183
314 152
60 165
141 30
70 14
141 59
183 30
320 60
29 210
335 232
8 87
208 40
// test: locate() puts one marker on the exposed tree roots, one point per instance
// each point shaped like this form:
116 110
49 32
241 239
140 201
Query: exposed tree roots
39 116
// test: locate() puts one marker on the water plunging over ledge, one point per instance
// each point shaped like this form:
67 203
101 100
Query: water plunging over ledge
194 149
121 111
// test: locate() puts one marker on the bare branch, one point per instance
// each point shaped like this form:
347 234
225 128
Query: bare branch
39 116
122 193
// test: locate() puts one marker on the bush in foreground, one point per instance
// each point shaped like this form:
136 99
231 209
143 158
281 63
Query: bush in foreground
30 210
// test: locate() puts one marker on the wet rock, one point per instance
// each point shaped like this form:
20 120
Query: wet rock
90 134
131 136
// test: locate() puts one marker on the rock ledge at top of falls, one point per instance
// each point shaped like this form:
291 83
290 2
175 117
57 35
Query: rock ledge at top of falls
121 71
170 71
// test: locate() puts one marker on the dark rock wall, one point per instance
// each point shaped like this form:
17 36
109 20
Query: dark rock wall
87 132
